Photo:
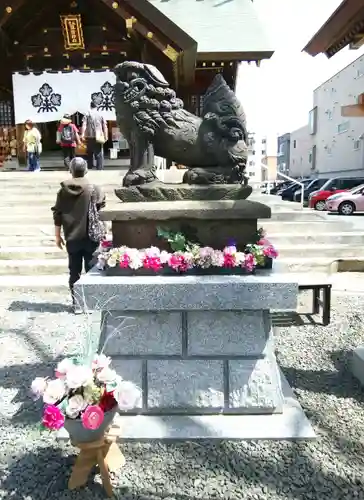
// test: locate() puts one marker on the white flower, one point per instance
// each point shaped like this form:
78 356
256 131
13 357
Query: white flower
152 252
240 258
164 257
54 392
75 405
63 367
107 376
127 395
79 376
135 258
111 262
217 258
38 387
100 361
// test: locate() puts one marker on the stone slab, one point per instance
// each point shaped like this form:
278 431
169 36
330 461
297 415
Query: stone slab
166 210
129 369
160 191
357 364
146 333
185 384
254 385
265 290
292 423
236 333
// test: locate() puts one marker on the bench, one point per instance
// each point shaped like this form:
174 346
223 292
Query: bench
321 297
321 301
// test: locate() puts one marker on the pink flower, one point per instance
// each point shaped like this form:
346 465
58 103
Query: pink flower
153 263
124 261
53 418
270 252
178 262
249 262
92 417
229 260
263 242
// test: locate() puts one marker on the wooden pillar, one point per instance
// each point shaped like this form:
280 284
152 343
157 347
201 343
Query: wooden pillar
19 140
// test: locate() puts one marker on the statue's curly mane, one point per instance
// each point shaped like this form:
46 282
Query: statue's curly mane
153 104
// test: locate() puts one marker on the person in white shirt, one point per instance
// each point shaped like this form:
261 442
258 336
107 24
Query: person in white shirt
32 146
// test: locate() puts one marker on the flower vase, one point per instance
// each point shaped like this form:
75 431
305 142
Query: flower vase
79 434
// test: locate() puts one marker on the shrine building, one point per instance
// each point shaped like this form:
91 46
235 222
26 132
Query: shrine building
58 56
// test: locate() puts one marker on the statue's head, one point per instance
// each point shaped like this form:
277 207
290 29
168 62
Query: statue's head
129 71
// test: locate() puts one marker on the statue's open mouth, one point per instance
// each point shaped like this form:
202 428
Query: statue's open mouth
136 90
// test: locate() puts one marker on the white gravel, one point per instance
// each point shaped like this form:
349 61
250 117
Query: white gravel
35 328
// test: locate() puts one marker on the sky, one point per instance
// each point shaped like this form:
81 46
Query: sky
278 95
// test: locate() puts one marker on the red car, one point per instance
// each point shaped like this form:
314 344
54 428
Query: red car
317 199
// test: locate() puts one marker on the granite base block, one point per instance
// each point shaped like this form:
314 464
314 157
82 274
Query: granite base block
185 384
227 333
255 385
146 332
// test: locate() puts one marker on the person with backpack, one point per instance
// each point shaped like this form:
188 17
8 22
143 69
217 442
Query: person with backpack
68 138
94 130
76 211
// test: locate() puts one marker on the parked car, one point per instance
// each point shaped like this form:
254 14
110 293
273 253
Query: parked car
289 192
314 185
273 186
317 199
348 202
283 187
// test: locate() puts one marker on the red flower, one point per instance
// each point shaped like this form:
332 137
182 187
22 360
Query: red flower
153 263
106 244
229 260
124 261
107 401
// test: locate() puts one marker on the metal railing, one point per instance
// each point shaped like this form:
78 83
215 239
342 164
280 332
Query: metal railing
301 184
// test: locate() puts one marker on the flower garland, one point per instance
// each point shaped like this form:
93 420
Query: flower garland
193 256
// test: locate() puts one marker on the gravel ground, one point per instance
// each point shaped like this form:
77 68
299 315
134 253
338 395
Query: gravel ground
36 328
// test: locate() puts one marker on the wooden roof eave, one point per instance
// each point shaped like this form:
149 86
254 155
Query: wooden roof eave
234 56
344 20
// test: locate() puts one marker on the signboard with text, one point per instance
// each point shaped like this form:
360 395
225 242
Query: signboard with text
72 32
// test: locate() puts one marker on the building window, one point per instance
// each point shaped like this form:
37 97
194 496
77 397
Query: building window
264 141
356 145
264 152
328 150
251 174
251 163
6 114
312 121
343 127
329 114
294 144
253 152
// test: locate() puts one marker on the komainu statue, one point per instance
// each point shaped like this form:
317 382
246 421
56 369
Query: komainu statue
154 121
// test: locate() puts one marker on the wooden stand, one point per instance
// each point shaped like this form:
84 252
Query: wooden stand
105 453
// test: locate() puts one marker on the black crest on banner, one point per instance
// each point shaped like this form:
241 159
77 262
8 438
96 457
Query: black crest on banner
104 100
46 101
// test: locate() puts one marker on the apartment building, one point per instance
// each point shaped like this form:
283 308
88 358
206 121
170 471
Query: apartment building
262 151
283 153
337 141
301 153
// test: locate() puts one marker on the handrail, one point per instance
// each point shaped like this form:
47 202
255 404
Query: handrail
289 179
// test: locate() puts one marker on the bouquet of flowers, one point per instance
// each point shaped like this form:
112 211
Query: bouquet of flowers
85 392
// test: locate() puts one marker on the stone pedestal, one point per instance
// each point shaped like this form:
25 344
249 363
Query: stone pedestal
211 223
198 345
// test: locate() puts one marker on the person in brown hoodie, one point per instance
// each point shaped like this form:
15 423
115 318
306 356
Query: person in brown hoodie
70 213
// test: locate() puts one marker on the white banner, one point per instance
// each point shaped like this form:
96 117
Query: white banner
47 97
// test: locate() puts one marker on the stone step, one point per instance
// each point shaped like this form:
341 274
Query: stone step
29 252
288 238
297 215
299 227
336 251
35 267
30 228
30 282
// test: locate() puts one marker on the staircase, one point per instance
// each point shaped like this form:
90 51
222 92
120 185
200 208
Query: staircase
306 240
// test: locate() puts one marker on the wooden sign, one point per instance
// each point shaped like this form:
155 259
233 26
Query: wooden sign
72 32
